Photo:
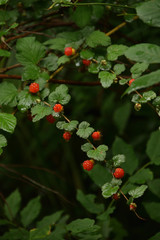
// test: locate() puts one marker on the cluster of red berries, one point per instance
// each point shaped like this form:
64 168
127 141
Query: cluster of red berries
50 118
67 136
130 82
88 164
69 51
58 108
34 87
96 136
118 173
86 62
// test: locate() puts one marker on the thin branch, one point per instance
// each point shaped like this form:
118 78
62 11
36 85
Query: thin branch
97 3
3 70
41 186
6 76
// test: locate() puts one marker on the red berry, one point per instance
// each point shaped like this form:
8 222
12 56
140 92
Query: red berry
130 82
119 173
132 206
96 136
116 196
34 87
50 118
67 136
69 51
88 165
86 62
58 108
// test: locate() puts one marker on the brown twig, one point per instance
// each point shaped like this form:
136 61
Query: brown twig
41 186
3 70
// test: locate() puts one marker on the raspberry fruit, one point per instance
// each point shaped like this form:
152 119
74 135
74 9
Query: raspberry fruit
130 82
116 196
58 108
96 136
119 173
34 87
86 62
132 206
69 51
67 136
88 165
50 118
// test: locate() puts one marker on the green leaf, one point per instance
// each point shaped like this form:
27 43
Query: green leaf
16 234
144 81
119 231
94 68
149 12
60 95
144 52
119 68
138 192
106 214
100 175
142 176
153 210
121 147
99 153
123 81
116 182
154 187
155 237
50 62
63 60
87 54
49 220
30 72
13 204
86 147
3 141
138 69
82 16
88 202
31 211
108 190
97 38
114 51
3 2
67 126
121 116
39 234
156 101
60 124
147 96
57 43
84 131
118 160
26 99
29 50
7 122
40 111
45 92
80 225
153 150
106 78
4 53
8 94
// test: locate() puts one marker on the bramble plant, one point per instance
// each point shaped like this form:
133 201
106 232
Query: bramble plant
77 77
